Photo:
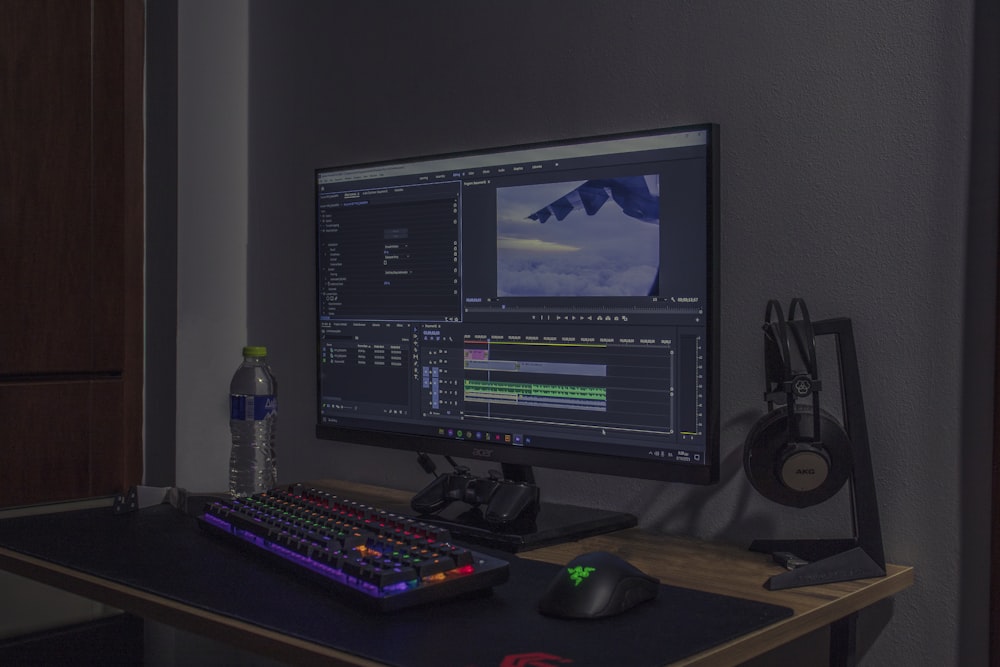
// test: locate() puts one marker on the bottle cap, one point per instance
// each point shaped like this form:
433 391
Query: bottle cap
254 351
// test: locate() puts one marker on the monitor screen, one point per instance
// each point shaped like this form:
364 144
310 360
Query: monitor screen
550 305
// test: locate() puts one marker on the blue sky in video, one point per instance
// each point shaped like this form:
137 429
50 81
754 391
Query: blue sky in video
606 254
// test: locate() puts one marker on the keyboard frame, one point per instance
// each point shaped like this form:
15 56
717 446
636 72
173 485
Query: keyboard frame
489 571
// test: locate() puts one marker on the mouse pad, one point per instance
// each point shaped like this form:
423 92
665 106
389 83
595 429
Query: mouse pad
161 550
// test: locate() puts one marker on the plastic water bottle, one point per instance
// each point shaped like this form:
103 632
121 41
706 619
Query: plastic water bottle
253 416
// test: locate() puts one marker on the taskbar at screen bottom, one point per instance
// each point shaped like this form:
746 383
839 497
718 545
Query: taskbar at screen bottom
669 463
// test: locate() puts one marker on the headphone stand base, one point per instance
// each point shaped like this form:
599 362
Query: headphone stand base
848 565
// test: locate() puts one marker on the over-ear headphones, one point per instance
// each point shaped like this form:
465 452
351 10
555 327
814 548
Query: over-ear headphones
797 454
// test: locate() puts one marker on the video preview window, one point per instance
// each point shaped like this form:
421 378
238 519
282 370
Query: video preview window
599 237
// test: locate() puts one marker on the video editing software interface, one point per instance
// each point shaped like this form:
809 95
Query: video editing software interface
553 297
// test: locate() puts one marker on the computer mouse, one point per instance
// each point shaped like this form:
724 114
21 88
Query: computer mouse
595 585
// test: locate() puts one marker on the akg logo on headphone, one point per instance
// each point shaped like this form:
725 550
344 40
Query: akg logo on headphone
802 386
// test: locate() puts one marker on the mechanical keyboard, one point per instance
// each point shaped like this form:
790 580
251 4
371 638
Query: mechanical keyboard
369 557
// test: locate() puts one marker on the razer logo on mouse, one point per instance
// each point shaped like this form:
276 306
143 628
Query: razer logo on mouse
579 573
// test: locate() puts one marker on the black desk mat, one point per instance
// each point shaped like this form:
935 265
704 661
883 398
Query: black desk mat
161 550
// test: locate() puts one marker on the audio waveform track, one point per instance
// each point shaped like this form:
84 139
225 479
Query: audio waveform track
537 395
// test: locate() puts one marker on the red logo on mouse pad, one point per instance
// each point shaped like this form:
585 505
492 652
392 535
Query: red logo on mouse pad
534 660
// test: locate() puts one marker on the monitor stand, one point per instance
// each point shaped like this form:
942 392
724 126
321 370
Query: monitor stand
553 523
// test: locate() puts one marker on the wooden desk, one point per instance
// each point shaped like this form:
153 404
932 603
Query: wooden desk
683 562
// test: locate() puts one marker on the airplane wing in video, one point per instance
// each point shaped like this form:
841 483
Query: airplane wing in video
631 193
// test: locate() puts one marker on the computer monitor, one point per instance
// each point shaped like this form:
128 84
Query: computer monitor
551 305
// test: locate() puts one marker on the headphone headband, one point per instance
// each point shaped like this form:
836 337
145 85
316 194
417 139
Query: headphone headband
782 380
776 353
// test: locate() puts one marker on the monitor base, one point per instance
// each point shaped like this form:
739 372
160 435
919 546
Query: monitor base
554 523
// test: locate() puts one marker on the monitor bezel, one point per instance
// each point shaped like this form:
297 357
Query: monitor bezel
572 461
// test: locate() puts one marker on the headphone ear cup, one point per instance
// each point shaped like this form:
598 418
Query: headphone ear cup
797 474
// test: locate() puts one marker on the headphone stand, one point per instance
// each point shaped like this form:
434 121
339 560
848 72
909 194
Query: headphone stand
861 556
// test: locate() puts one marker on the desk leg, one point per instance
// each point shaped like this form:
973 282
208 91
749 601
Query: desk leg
843 641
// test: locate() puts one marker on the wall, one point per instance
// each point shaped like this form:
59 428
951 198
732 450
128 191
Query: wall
212 203
846 163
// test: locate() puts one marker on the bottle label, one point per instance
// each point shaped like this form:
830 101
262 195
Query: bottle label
251 407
